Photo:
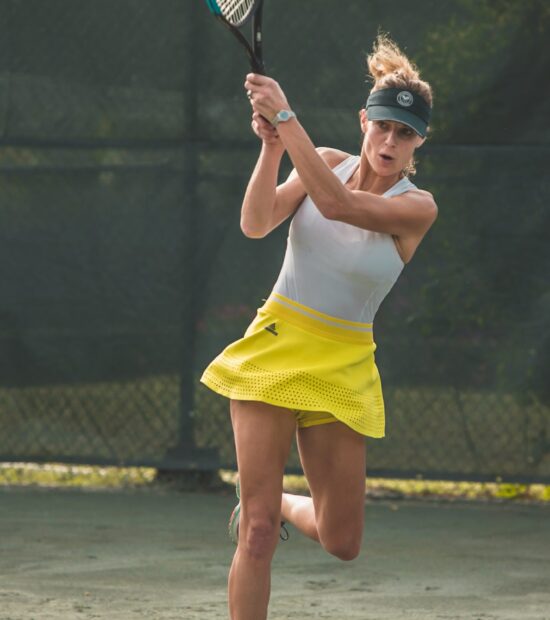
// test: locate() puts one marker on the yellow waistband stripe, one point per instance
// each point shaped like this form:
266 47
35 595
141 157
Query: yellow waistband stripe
313 320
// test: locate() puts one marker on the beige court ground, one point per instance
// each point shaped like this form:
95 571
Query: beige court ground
164 555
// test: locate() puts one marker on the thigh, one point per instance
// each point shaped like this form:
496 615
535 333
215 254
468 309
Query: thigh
333 458
263 437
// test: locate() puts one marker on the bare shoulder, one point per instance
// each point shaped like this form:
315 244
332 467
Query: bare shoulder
423 202
332 157
420 197
425 194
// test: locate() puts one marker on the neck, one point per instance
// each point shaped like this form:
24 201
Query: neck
366 179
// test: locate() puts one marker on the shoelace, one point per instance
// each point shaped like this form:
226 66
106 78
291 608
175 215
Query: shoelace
284 535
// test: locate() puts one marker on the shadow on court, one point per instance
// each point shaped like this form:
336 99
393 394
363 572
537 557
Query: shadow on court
165 555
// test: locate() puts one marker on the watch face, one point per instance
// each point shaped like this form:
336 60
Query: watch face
284 115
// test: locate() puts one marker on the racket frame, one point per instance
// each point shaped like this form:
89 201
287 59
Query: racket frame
254 51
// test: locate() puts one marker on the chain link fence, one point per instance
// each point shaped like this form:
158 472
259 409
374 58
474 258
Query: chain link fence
124 152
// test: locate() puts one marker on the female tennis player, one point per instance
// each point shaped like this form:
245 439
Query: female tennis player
306 363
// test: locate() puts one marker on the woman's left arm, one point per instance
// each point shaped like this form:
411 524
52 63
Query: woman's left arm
409 214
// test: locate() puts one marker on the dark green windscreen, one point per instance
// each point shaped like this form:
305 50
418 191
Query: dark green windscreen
125 148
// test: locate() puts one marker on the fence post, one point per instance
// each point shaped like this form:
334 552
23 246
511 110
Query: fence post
184 455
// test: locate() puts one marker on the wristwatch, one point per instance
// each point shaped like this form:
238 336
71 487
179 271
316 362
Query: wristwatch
282 116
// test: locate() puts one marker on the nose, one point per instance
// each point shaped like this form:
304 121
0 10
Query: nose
391 138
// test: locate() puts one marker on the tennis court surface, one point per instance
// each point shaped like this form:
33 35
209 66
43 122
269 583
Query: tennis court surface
164 555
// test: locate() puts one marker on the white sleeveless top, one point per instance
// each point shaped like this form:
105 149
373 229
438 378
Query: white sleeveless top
337 268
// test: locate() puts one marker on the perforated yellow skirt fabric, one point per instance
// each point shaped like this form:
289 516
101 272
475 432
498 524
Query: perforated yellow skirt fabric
295 357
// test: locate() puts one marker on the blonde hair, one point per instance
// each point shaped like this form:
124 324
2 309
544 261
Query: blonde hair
390 68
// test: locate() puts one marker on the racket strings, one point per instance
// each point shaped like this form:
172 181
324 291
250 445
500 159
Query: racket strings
236 11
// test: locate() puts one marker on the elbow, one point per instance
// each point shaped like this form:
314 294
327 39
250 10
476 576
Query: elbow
330 212
333 207
328 209
252 233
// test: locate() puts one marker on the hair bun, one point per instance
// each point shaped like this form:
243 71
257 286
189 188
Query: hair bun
389 67
386 58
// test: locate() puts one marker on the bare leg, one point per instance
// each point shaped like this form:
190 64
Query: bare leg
263 436
299 511
334 461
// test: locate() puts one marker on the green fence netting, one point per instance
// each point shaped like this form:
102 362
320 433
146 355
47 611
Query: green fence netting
125 149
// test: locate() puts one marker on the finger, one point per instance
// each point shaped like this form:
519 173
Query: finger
256 129
252 88
257 116
265 136
263 126
262 121
263 129
257 78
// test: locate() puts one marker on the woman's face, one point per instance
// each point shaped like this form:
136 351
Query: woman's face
388 145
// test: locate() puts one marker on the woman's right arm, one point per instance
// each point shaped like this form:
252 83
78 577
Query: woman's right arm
266 204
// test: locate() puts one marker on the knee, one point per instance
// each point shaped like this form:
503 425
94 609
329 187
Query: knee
260 537
345 549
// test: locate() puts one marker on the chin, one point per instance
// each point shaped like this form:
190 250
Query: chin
386 171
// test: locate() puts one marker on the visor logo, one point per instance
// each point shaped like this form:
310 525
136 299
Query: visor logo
405 98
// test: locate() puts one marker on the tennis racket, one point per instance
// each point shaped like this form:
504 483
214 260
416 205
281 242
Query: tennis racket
235 14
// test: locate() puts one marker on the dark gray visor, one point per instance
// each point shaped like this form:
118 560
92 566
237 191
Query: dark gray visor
402 106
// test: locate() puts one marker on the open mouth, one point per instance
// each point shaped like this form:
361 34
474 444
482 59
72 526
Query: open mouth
386 157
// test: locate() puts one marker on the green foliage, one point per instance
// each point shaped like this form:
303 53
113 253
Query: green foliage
485 263
488 63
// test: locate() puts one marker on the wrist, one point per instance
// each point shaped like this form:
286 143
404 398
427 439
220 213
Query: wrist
275 147
284 115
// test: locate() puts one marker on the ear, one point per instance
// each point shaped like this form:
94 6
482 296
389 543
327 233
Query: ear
363 120
419 144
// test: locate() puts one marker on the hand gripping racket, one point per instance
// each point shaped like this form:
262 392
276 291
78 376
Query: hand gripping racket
234 14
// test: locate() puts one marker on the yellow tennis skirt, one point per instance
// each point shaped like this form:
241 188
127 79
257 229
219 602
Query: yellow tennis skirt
295 357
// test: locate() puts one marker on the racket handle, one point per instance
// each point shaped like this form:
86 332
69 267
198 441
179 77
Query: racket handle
257 62
257 65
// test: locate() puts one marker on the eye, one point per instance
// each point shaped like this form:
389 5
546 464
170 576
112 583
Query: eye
382 124
407 132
